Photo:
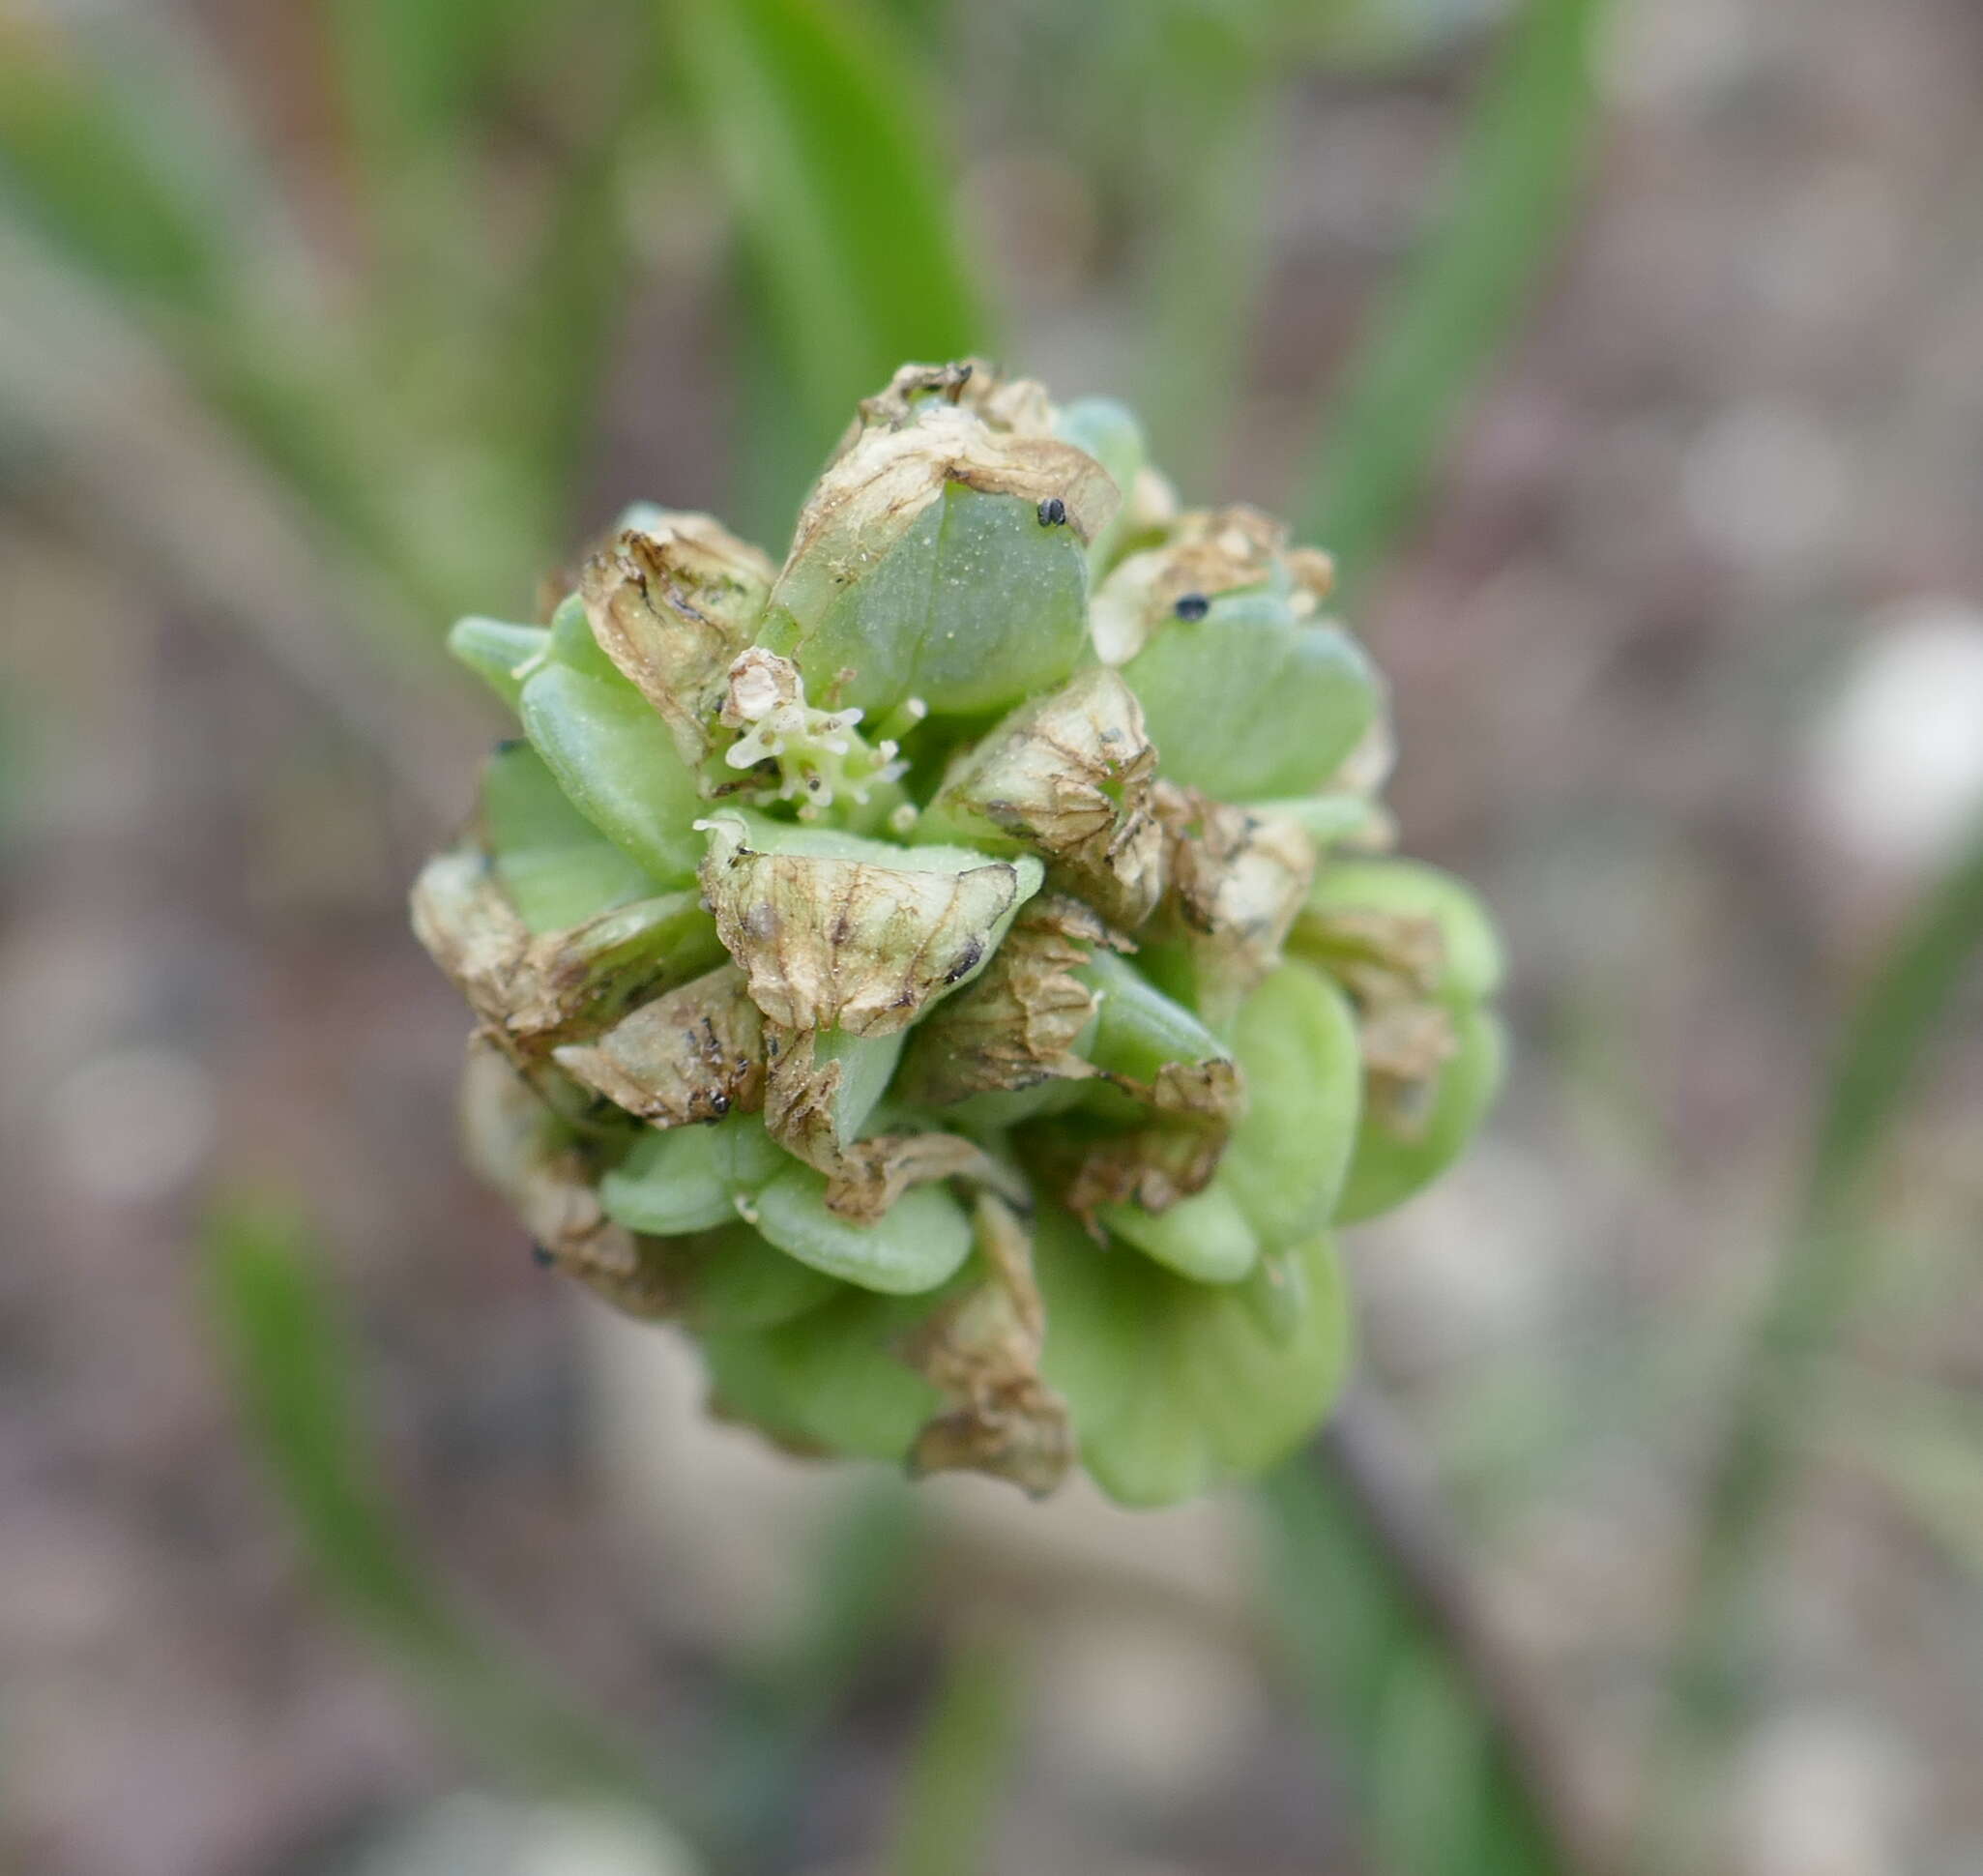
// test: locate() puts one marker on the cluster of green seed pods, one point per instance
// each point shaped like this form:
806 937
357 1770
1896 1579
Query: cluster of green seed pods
958 975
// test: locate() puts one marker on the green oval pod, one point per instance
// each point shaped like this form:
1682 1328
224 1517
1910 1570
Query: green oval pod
618 766
831 1378
572 642
866 1065
1206 1237
1390 1165
1289 1149
1247 701
553 863
498 653
916 1246
1173 1384
1138 1030
681 1179
1413 889
977 605
738 1281
1109 432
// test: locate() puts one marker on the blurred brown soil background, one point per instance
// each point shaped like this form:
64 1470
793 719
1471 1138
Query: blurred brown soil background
1727 487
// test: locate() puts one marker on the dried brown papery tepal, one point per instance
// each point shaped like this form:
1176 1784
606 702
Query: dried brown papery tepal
672 604
982 1349
1069 777
533 991
1016 1026
1237 880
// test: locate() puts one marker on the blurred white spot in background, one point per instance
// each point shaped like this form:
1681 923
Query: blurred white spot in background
1766 484
1823 1794
499 1836
1139 1710
131 1125
1896 758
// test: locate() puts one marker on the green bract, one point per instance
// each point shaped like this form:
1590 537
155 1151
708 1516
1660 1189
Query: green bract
954 975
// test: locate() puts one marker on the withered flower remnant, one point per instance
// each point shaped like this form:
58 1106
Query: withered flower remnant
955 975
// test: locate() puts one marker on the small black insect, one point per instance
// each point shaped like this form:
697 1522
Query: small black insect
1191 605
1053 512
540 1256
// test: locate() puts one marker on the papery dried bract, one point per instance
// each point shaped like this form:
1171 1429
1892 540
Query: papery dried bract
533 991
983 1350
1237 882
517 1144
1070 777
1009 406
1018 1024
834 933
672 604
695 1054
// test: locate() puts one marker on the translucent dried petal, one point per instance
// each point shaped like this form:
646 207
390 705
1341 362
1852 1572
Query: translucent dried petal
1206 552
1020 1022
1236 881
536 991
1013 406
1070 777
982 1349
517 1144
838 933
672 603
695 1054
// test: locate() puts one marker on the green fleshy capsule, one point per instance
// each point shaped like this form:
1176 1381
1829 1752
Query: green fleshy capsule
1175 1385
1472 967
553 863
1138 1030
681 1179
730 1279
919 1244
1206 1237
1289 1149
1246 701
611 755
832 1379
500 654
1390 1164
1109 432
977 606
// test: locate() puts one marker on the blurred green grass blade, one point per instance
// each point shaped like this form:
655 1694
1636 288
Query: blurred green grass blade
862 1582
410 76
558 341
80 172
1819 1275
1426 1742
1220 96
292 1372
950 1803
819 130
1515 177
412 71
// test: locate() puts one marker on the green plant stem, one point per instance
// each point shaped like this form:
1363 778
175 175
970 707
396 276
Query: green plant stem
962 1759
291 1370
1820 1274
1516 175
1447 1760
